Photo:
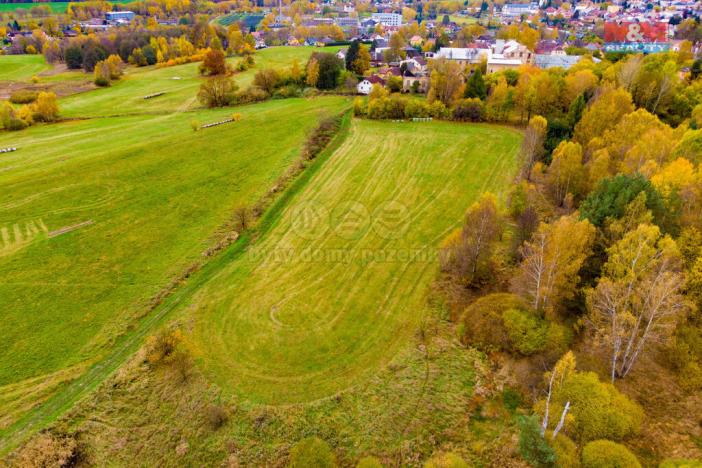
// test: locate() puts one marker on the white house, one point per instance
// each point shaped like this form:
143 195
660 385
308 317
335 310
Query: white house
463 55
364 87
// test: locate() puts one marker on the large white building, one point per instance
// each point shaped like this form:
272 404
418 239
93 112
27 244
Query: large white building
387 19
515 10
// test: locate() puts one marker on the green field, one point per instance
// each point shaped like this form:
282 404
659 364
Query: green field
56 7
338 283
179 83
98 214
21 67
103 210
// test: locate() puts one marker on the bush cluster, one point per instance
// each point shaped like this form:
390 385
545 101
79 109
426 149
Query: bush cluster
396 106
505 322
23 96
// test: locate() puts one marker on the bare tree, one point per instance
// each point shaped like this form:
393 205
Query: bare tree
243 217
552 259
638 298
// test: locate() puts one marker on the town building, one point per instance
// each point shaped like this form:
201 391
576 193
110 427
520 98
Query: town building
114 16
387 19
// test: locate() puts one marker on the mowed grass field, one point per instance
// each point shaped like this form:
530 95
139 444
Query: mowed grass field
179 83
21 67
97 215
56 7
337 284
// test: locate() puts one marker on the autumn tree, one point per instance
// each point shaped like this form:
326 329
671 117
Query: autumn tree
362 62
45 108
267 79
115 66
566 174
604 113
213 63
329 68
532 148
218 91
446 81
467 254
638 297
312 72
552 258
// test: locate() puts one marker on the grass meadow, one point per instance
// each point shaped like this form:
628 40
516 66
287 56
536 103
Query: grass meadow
56 7
101 211
21 67
98 214
337 285
179 83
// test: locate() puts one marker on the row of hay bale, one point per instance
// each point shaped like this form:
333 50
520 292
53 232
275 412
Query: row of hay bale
149 96
7 150
214 124
415 119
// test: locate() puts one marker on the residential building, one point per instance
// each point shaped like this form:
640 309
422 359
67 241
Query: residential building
119 15
516 10
508 54
464 55
387 19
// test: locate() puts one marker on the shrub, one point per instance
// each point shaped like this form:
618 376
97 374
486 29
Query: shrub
23 96
369 462
438 110
195 125
312 451
45 108
161 347
387 108
267 79
101 81
417 108
249 95
394 84
102 74
527 333
680 463
532 447
566 452
608 454
598 409
47 449
289 91
446 460
216 416
472 110
482 324
218 91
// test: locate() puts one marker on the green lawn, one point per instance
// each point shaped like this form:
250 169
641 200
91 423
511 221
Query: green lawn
97 215
337 285
56 7
180 83
21 67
